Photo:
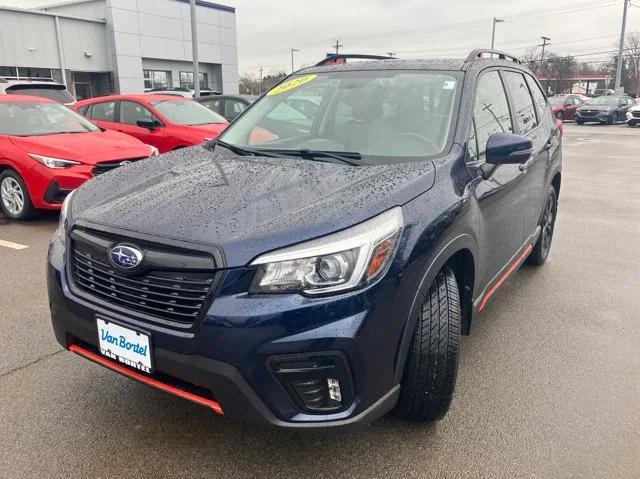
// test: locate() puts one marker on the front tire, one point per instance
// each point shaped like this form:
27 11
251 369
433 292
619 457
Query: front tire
432 363
579 122
542 247
14 196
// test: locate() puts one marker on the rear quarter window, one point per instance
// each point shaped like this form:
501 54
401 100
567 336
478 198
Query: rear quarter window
539 99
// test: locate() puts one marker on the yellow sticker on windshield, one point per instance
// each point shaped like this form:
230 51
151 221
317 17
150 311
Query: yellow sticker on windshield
291 84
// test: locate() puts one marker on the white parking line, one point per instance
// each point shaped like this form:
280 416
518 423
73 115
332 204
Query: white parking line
9 244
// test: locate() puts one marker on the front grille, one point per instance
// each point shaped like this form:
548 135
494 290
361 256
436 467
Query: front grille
636 114
589 113
168 292
105 167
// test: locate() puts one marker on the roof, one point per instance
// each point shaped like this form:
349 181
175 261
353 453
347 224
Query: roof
202 3
390 64
24 99
142 97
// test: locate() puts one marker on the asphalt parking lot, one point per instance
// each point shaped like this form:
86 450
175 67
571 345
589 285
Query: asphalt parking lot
548 386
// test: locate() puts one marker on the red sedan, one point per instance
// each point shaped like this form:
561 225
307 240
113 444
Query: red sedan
47 150
167 122
564 106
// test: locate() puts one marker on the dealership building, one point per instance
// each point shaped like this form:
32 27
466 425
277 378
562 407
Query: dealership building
99 47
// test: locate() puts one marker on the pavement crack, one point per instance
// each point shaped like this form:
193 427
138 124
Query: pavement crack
36 361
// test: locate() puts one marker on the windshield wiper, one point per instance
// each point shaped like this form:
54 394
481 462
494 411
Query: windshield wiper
348 157
238 150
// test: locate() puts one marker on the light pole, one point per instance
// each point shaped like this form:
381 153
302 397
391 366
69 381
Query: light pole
293 50
545 42
194 50
493 30
621 49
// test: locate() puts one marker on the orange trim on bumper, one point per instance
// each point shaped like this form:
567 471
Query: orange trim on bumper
125 371
503 278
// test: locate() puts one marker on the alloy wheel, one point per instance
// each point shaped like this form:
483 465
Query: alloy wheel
12 196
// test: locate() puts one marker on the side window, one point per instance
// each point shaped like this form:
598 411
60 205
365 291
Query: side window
234 108
523 109
132 112
491 111
104 111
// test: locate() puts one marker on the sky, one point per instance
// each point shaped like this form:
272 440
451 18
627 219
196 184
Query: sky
268 29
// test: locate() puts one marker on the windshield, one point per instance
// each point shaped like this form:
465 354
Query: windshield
605 100
35 119
382 115
187 112
53 92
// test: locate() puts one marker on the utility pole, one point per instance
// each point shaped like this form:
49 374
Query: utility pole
545 42
337 46
260 80
619 87
493 30
194 50
293 50
391 54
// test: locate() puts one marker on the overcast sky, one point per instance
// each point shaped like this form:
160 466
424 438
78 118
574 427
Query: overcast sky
268 29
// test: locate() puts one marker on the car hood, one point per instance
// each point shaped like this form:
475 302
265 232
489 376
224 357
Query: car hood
243 205
90 147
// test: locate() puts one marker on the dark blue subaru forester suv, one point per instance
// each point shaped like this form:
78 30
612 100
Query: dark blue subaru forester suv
316 265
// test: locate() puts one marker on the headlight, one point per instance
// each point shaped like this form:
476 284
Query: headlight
62 223
336 262
53 163
154 151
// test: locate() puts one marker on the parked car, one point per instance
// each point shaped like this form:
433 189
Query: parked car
40 88
164 121
181 91
604 109
48 150
564 106
633 115
317 276
229 106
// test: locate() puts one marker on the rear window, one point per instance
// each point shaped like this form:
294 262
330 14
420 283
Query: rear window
53 92
523 109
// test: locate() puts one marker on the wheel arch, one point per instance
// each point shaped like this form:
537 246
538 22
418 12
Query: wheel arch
460 255
556 181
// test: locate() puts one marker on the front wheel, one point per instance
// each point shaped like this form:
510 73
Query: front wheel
432 364
579 122
14 196
542 247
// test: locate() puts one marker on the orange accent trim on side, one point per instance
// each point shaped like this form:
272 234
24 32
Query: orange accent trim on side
502 279
144 379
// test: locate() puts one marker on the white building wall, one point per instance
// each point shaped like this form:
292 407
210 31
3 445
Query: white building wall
88 9
28 39
161 30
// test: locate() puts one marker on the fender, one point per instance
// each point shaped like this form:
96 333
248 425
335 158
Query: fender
448 248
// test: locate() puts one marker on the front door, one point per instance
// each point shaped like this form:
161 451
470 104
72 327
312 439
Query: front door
502 190
131 113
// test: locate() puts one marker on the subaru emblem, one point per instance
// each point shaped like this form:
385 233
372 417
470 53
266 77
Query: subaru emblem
125 257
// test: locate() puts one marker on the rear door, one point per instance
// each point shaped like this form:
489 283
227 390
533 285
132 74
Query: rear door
130 113
501 190
527 123
104 114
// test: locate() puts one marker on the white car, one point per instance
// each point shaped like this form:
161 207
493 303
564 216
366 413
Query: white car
41 87
633 115
181 91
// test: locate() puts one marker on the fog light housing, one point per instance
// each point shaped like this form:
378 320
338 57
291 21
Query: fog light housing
318 383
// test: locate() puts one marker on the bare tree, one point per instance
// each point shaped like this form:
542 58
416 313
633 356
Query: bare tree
531 58
632 63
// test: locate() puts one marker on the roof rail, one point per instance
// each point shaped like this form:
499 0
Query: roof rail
342 58
481 52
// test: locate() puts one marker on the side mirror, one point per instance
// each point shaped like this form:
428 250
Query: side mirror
148 124
508 149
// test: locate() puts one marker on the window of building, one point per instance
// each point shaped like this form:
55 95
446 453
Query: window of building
24 72
157 79
491 113
8 71
186 80
523 109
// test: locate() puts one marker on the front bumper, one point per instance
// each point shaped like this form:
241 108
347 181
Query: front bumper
49 187
230 351
600 117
